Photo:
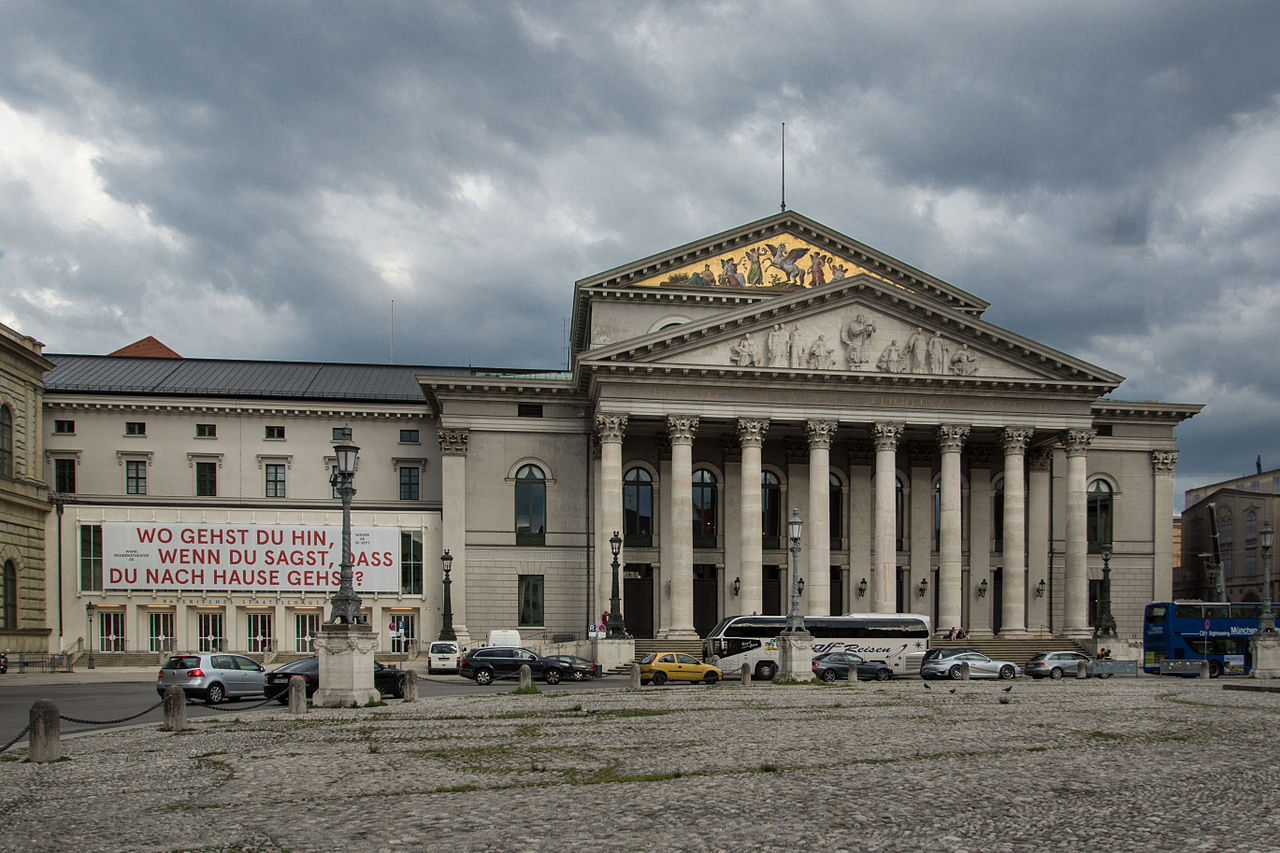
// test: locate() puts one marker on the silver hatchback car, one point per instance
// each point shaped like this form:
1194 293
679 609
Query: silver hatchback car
980 666
213 676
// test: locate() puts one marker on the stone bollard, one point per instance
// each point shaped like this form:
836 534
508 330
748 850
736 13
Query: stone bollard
526 677
1204 669
297 695
1082 669
635 676
410 686
175 709
45 735
852 675
964 671
746 675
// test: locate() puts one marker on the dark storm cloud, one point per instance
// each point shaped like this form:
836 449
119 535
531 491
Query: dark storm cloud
262 180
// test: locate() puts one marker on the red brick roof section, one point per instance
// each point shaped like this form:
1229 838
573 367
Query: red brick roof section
148 347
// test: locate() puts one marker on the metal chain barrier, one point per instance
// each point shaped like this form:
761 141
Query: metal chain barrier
109 722
19 737
239 707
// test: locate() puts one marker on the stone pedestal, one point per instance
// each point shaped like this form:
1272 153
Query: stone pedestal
795 656
1265 649
346 666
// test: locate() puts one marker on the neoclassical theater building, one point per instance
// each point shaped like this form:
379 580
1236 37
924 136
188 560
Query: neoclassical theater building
940 465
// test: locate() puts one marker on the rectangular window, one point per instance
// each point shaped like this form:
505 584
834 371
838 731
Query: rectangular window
275 481
1250 562
409 482
160 632
64 427
411 562
135 477
135 427
64 476
261 638
410 436
530 597
275 432
1227 569
206 479
91 558
111 630
206 430
306 628
213 636
528 410
342 433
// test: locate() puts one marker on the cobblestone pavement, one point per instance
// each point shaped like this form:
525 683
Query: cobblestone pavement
1123 764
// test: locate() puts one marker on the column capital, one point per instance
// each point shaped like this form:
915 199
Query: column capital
951 437
886 435
1163 461
1015 439
682 428
610 426
751 431
1040 457
453 442
1077 441
820 433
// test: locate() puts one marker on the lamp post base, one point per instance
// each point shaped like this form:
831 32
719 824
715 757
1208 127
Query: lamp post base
795 656
346 666
1265 651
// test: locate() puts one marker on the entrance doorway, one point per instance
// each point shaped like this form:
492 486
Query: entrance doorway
997 600
771 603
837 591
637 600
706 598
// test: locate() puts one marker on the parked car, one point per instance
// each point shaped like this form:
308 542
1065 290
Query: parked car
676 666
934 654
980 666
485 664
834 666
576 668
442 656
387 679
212 676
1057 664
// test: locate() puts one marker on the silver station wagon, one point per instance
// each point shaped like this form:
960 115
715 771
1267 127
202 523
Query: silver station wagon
212 676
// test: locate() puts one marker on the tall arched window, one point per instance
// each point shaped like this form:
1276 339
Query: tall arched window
637 508
1224 529
10 584
770 510
704 509
835 513
6 442
1099 517
531 506
1251 525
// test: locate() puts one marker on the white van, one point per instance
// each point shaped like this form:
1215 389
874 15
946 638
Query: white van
504 637
442 656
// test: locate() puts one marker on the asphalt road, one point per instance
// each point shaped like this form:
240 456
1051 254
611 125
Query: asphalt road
108 702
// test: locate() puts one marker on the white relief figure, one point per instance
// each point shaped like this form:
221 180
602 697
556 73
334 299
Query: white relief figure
744 352
776 346
795 349
820 354
857 340
913 354
891 359
937 354
964 362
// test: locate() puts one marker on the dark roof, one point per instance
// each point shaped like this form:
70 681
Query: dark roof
193 377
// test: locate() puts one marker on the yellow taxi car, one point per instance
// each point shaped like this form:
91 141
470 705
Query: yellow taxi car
676 666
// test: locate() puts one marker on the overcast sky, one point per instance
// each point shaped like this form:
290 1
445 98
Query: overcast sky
263 180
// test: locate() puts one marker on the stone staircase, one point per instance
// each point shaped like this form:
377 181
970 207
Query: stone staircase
646 647
1018 651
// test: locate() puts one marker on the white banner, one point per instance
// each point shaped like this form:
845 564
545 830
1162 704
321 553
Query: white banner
195 557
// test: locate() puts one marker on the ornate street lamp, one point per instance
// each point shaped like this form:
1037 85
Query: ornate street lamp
446 627
795 621
345 602
89 607
1267 621
616 630
1106 626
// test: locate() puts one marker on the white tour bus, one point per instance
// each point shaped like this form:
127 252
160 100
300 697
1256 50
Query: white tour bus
899 639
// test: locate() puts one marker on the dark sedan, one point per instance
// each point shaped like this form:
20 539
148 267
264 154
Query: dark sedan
387 679
834 666
484 664
576 668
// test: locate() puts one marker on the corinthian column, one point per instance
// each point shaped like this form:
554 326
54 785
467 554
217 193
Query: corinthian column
951 438
681 428
818 588
453 491
1075 593
610 428
751 437
883 578
1013 613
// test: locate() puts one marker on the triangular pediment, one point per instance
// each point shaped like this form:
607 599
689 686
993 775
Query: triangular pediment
858 328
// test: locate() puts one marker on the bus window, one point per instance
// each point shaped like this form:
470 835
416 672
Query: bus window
1246 611
1216 611
1156 612
1188 611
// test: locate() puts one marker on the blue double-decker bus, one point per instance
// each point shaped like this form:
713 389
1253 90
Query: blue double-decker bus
1216 631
